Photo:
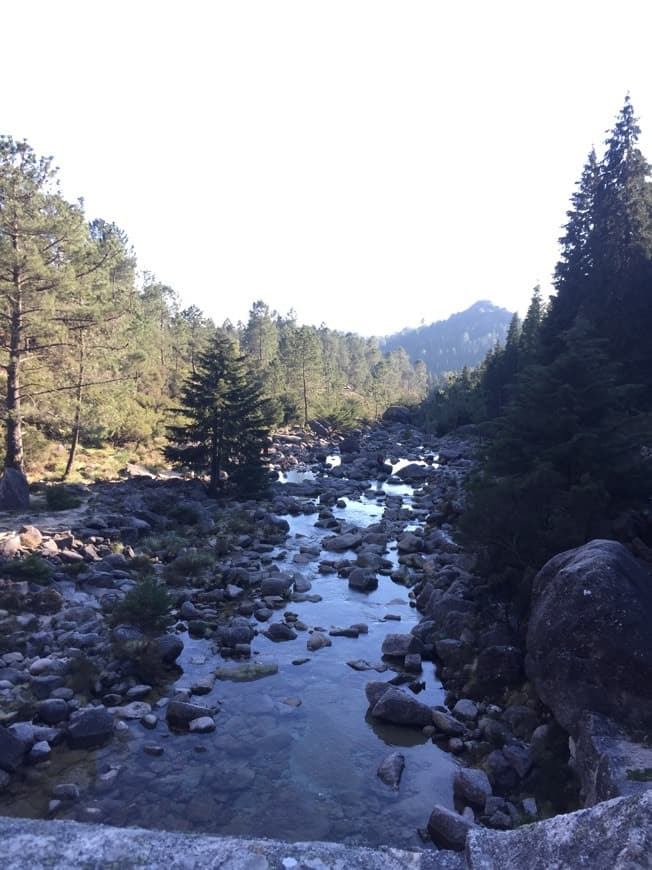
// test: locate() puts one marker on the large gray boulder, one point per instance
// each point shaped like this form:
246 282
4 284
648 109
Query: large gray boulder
399 708
616 835
589 644
14 491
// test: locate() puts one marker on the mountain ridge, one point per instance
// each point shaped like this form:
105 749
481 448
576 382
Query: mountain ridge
463 339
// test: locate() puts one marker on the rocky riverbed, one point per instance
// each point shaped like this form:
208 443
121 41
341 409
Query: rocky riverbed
333 669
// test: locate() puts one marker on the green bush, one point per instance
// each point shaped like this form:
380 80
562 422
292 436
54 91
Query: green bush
32 568
146 606
192 564
59 498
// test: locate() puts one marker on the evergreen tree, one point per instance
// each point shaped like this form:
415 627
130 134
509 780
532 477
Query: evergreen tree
227 421
40 234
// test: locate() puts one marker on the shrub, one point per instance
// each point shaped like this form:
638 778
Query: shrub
146 606
59 498
32 568
192 564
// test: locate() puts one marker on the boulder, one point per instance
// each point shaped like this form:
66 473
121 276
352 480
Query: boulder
91 727
448 829
400 708
168 648
472 785
179 714
340 543
12 750
391 769
615 835
589 645
400 645
609 764
14 491
362 580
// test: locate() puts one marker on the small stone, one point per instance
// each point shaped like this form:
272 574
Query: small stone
448 829
66 791
41 751
317 641
150 720
202 725
137 693
152 749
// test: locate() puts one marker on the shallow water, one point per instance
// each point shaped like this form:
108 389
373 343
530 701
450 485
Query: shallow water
294 755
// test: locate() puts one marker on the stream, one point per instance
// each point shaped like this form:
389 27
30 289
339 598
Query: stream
294 754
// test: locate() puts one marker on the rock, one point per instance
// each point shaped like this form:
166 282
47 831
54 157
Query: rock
362 580
615 835
447 724
500 666
466 709
12 750
350 444
472 785
413 473
133 710
448 830
609 763
202 725
236 632
90 727
279 584
168 648
14 491
279 632
502 774
137 693
400 645
400 708
180 714
340 543
589 645
52 711
318 640
66 791
246 672
391 769
39 752
410 543
42 686
374 691
30 537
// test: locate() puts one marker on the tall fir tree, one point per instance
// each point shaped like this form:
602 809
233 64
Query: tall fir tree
226 421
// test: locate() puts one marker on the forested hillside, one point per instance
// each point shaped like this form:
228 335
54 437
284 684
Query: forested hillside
565 405
95 351
464 339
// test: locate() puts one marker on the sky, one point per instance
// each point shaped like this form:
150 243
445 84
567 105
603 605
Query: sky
369 164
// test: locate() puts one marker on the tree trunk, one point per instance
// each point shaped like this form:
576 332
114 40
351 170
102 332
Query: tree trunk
14 457
76 426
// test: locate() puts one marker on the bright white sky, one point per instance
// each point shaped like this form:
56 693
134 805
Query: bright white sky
368 163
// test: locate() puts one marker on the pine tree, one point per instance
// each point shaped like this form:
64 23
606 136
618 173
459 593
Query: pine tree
227 421
40 234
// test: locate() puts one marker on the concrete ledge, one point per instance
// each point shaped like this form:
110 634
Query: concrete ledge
63 845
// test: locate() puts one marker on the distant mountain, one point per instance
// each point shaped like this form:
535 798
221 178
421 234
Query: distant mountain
449 345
